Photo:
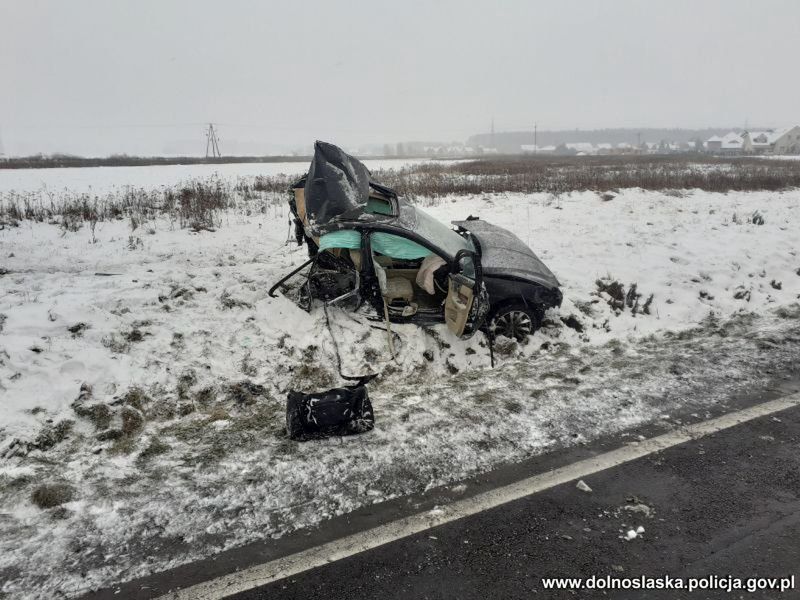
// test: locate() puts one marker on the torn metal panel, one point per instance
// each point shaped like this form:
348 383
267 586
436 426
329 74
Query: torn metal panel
336 184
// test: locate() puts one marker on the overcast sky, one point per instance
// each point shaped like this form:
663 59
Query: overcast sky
97 77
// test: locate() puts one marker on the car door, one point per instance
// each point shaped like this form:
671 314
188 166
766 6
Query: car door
465 297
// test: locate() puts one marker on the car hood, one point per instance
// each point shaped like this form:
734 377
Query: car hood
505 255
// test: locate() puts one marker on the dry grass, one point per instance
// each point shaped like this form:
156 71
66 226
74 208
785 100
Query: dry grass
530 174
199 205
52 495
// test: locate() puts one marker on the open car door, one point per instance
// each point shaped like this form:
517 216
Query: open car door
464 291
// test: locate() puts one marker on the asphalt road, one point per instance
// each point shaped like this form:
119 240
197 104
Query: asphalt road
723 505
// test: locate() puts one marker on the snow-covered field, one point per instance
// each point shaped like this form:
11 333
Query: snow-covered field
102 180
182 363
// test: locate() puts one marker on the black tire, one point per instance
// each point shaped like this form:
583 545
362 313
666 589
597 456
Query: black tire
516 321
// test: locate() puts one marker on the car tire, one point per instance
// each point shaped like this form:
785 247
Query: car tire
515 321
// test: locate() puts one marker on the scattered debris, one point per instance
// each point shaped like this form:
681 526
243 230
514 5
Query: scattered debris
582 486
632 534
340 411
776 285
639 507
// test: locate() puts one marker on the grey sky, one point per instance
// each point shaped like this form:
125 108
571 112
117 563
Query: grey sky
96 77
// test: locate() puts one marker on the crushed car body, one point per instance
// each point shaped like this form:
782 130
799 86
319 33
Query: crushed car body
366 244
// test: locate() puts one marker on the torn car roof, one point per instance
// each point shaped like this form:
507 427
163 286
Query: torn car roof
337 184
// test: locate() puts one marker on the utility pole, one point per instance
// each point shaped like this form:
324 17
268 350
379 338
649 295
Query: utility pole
212 142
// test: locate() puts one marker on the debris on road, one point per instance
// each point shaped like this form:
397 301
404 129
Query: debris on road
632 534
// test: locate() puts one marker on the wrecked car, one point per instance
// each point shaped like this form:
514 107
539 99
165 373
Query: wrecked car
367 245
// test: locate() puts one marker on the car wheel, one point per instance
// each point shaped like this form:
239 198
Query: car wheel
516 321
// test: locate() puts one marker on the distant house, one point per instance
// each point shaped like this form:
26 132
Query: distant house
604 148
534 149
714 143
787 141
582 148
732 143
758 142
564 150
770 141
624 148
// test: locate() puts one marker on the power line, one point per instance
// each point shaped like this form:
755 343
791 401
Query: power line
212 142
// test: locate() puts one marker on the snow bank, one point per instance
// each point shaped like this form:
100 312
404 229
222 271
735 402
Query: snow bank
176 329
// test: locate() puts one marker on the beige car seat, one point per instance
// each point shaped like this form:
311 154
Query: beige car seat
393 288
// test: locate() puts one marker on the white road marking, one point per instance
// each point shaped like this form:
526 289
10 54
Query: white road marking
293 564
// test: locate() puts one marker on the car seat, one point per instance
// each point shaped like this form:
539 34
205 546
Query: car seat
393 288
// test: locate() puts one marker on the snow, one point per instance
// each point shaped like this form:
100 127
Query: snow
106 179
223 472
632 534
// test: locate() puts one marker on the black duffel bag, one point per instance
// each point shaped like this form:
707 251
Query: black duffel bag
340 411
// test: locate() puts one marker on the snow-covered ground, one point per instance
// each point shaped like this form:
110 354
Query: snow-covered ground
157 329
101 180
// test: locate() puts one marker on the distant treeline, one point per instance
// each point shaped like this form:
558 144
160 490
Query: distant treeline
123 160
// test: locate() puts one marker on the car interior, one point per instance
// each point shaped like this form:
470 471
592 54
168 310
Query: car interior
403 283
412 278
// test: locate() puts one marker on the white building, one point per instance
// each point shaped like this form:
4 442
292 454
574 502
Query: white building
534 149
770 141
732 143
773 141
